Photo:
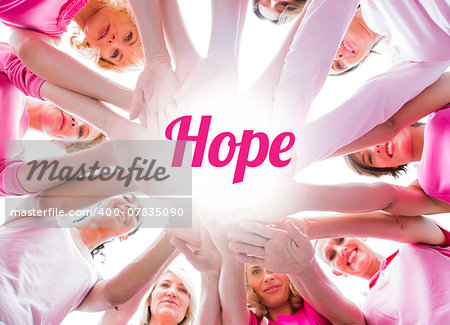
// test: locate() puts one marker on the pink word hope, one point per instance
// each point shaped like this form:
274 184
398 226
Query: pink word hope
243 147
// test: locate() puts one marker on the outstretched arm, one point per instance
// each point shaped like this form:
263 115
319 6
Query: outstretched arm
355 198
429 100
206 259
380 225
132 279
37 52
373 104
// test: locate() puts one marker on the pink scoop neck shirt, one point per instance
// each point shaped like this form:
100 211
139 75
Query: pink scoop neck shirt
49 17
412 287
419 31
434 170
304 316
16 82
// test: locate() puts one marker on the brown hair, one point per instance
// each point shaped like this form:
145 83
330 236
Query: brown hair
79 43
365 170
293 10
254 301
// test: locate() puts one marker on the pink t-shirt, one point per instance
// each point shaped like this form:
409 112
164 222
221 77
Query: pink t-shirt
422 44
15 82
434 171
412 287
43 275
49 17
304 316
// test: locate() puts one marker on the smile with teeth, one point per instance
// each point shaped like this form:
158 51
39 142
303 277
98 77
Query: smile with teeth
272 289
105 31
389 148
351 257
347 48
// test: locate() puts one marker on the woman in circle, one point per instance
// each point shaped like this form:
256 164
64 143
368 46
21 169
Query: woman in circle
47 297
399 293
315 47
272 296
170 301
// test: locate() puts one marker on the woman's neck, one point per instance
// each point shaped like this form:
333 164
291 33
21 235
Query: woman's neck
159 321
90 237
417 135
359 18
91 8
285 309
35 112
373 267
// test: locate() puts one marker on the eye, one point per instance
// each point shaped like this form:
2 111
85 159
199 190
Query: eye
115 54
339 241
332 256
164 285
129 37
370 158
256 271
183 290
339 66
80 133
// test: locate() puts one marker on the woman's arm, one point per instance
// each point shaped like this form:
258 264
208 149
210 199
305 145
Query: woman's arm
37 52
289 251
206 259
124 286
373 104
429 100
355 198
232 287
417 229
93 112
309 59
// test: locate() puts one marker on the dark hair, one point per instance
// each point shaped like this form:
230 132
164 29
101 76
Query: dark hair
292 10
365 170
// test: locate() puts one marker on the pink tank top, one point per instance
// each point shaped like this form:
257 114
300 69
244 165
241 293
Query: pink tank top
434 171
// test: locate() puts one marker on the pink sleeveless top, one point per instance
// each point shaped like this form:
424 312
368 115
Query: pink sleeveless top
434 171
304 316
49 17
411 287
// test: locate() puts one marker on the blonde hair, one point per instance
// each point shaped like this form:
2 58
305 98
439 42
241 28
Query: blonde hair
190 312
79 43
254 301
75 146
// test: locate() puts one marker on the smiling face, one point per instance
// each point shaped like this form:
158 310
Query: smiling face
356 45
59 124
114 35
272 288
393 153
169 300
348 255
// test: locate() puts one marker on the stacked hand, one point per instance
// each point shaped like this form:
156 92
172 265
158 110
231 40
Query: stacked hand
278 250
154 92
